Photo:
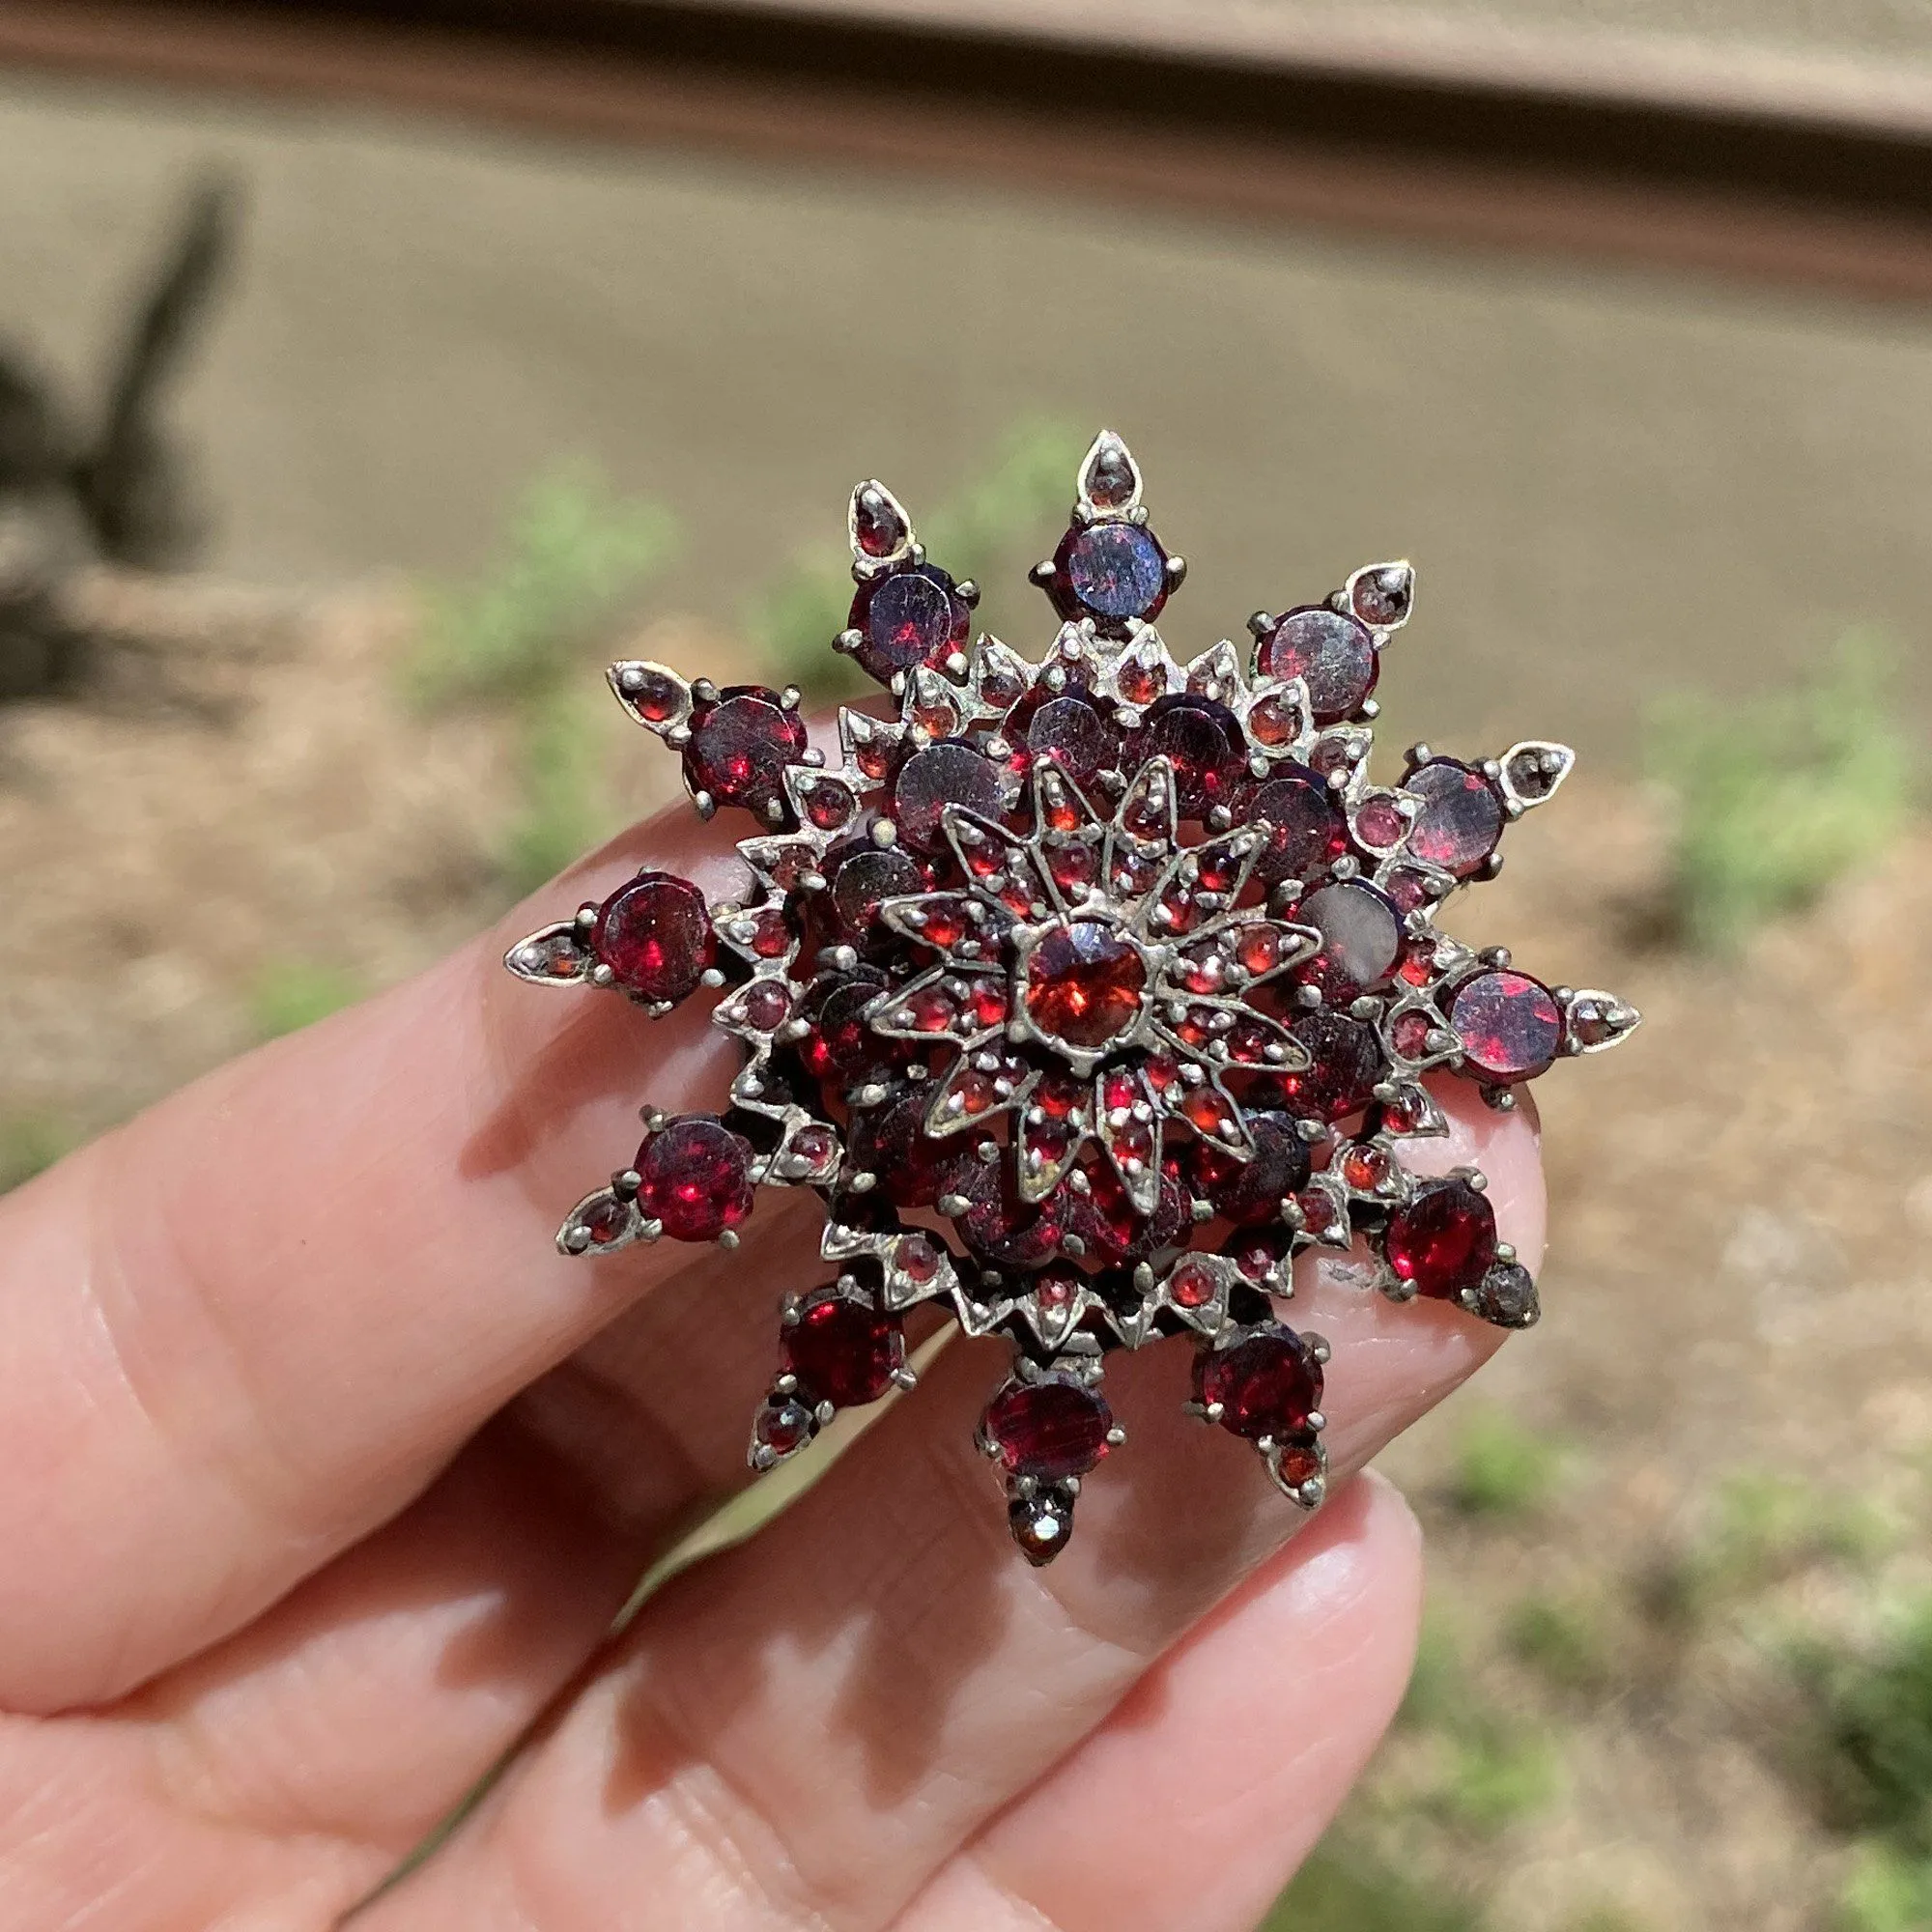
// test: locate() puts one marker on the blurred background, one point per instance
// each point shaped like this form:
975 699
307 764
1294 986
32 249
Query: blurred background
368 375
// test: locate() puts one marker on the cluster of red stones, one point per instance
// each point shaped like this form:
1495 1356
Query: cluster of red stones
1120 972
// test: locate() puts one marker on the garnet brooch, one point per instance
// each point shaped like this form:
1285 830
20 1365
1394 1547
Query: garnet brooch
1086 994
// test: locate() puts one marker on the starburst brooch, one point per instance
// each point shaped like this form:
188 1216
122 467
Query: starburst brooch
1086 994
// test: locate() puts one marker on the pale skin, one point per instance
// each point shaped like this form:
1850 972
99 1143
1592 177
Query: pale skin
321 1475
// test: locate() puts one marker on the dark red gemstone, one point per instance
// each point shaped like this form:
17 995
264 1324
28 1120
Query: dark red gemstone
1333 654
696 1178
1105 1220
1085 984
841 1046
908 617
1267 1385
1050 1429
1190 1284
1073 732
741 745
1461 817
655 935
1443 1240
1345 1060
1260 1253
1250 1192
843 1352
652 693
1378 825
931 780
766 1005
1508 1296
879 528
1110 478
998 1225
1307 828
1361 936
890 1142
1510 1026
860 881
1203 742
784 1426
1381 597
1113 571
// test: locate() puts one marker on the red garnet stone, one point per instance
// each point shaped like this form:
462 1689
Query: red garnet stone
1048 1430
1508 1023
696 1178
1444 1241
1084 984
842 1351
655 935
1267 1385
741 745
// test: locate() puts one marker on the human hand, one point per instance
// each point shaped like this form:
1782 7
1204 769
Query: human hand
321 1476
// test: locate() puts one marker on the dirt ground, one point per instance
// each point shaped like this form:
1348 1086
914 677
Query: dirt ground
1740 1202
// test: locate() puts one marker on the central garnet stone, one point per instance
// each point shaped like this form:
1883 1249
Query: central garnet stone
1084 984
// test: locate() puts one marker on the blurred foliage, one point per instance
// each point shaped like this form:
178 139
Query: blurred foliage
290 994
1873 1712
29 1144
522 638
1780 794
574 555
1491 1769
1502 1468
1889 1889
998 519
1564 1639
1763 1527
1345 1888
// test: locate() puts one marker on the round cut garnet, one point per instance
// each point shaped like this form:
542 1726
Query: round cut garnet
1250 1192
1508 1296
1050 1429
1361 935
1345 1060
842 1351
1267 1384
1104 1218
862 880
1333 655
696 1178
908 618
1305 827
741 745
1510 1026
1113 570
1085 985
1199 739
890 1143
931 780
655 935
1443 1240
1072 730
1462 817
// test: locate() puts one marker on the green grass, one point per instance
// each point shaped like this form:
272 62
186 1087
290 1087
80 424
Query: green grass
1889 1889
1764 1527
1003 519
290 994
1563 1640
1781 793
29 1144
1873 1712
524 638
574 555
1503 1469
